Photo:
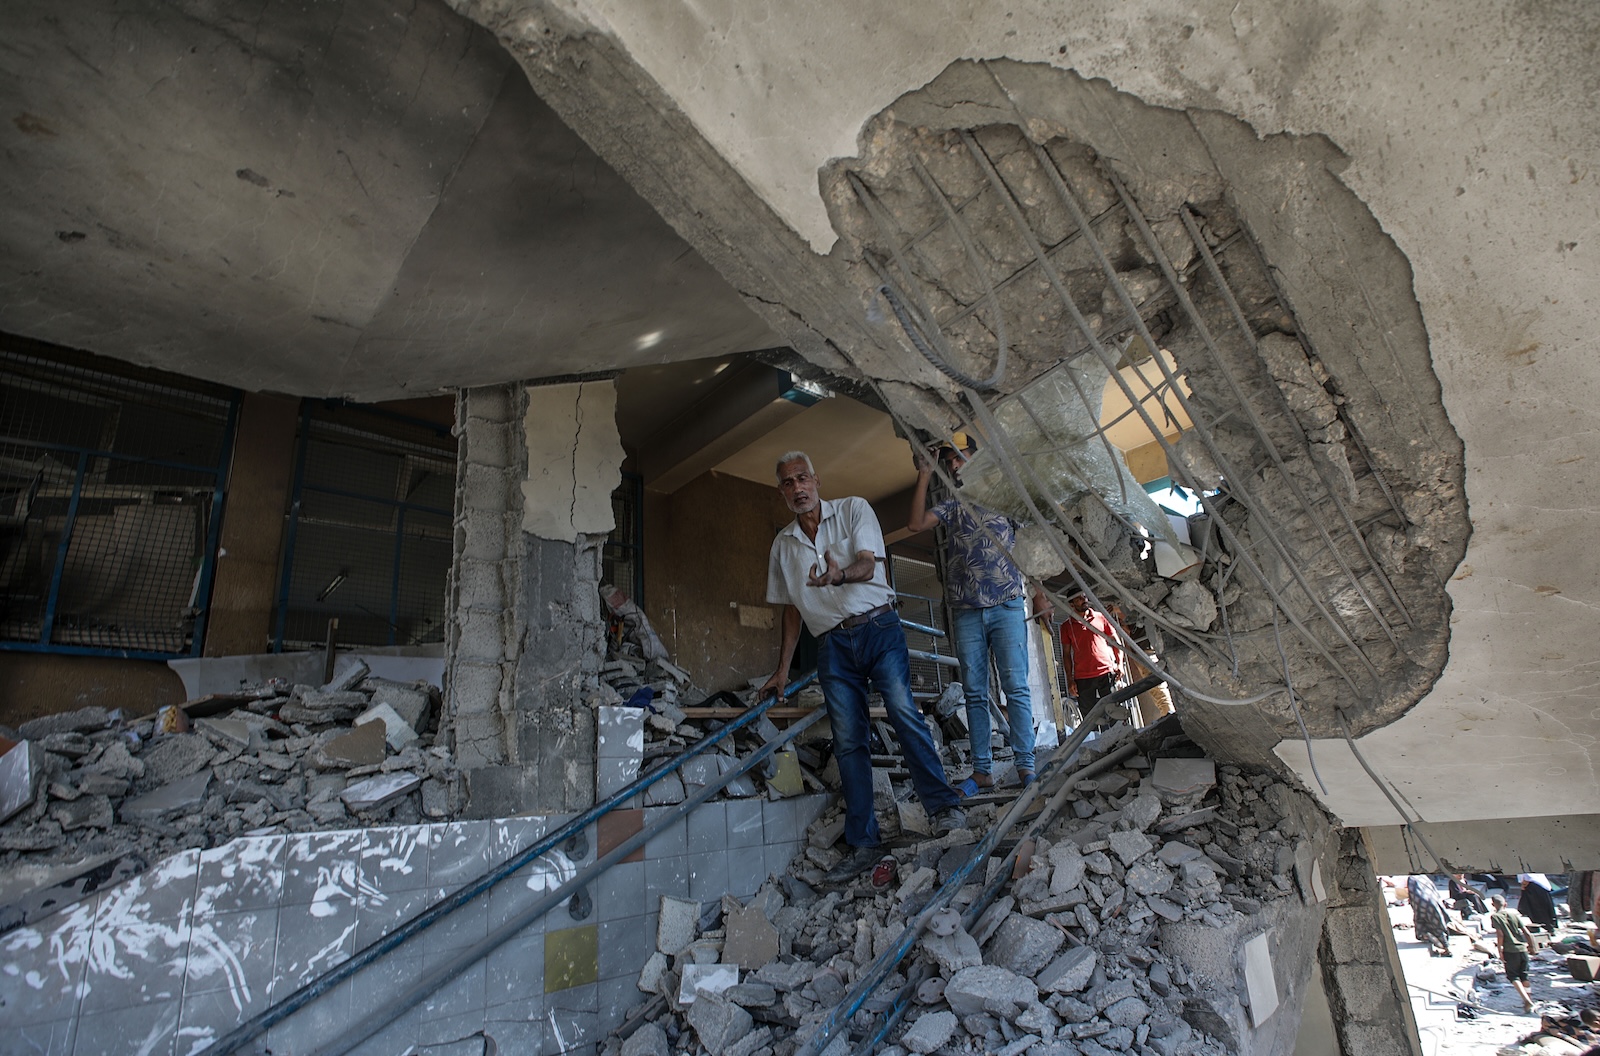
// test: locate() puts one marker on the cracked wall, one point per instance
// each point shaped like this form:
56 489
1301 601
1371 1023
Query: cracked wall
533 507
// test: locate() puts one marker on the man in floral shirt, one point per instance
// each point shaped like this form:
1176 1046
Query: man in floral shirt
988 598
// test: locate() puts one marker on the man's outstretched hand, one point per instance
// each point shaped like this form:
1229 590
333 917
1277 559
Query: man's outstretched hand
830 576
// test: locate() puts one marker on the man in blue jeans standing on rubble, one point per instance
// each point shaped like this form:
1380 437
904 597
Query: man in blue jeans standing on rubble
827 567
988 598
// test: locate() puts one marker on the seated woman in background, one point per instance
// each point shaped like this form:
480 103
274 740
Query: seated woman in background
1536 903
1464 897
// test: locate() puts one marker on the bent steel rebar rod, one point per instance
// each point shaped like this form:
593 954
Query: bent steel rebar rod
871 979
288 1006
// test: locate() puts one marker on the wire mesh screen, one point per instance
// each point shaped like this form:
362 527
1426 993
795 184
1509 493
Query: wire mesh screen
110 493
622 558
369 531
916 584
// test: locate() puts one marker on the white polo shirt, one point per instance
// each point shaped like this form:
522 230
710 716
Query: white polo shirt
848 527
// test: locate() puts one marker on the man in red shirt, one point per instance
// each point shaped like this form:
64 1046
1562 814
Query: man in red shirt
1093 660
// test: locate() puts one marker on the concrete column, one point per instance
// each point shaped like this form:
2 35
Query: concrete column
245 588
533 509
1360 964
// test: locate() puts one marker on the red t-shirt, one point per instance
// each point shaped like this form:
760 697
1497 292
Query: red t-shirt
1092 655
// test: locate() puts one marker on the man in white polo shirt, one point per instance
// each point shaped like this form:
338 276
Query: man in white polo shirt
827 568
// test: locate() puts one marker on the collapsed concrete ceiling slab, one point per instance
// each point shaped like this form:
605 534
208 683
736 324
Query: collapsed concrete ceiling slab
336 199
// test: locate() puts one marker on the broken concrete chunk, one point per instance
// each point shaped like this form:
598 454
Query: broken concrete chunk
347 675
19 779
1068 973
224 733
931 1031
85 812
72 745
1067 866
677 924
953 952
397 732
648 1040
365 745
1129 847
1183 777
178 797
751 941
718 1021
1024 945
410 700
374 792
1150 878
176 756
987 988
92 718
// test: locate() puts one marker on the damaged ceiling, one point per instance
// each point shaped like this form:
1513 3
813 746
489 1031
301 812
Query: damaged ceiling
1384 222
341 199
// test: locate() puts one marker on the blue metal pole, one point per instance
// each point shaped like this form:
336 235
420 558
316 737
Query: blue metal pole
47 624
294 525
260 1024
208 560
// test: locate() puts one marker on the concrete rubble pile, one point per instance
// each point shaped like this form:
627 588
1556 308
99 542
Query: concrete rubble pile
641 718
1088 950
91 784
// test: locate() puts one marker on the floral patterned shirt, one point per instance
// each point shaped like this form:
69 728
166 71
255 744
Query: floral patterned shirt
978 574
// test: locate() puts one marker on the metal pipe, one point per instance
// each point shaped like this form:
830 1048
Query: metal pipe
881 968
932 632
419 991
936 658
281 1010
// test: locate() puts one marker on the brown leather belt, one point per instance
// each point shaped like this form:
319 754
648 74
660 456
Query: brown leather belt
856 621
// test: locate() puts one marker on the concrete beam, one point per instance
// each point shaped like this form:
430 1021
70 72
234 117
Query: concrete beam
1554 844
743 407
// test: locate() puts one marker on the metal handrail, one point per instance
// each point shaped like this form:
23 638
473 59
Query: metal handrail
419 991
281 1010
881 968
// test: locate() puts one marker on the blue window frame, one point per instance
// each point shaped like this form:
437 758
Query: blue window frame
369 530
111 499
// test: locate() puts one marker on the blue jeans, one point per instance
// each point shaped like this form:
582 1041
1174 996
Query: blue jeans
848 659
1002 630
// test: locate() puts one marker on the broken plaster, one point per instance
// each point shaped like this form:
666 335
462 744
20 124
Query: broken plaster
574 460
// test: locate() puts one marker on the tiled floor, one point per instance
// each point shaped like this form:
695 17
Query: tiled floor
169 961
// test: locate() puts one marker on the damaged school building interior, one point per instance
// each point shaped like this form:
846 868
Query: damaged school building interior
390 401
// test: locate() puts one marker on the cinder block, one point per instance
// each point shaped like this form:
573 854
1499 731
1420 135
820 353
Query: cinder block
494 403
491 443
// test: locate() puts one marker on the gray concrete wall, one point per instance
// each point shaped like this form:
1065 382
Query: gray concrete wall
533 506
1360 964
